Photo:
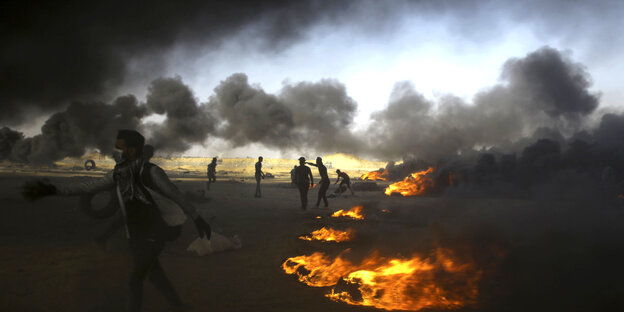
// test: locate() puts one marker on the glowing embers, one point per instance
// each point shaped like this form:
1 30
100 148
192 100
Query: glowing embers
416 183
329 235
439 281
353 213
376 175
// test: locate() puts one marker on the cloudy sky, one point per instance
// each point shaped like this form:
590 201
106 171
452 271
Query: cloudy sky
54 55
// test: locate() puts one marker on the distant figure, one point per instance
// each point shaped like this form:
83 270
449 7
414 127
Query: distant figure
212 172
293 181
325 182
345 180
259 175
304 179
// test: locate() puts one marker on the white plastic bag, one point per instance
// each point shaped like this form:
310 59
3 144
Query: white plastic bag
217 243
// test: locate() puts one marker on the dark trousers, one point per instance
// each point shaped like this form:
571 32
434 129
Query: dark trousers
211 179
303 193
145 263
258 191
322 193
346 182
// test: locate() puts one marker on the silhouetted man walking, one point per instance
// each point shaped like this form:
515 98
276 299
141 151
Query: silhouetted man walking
325 182
303 176
259 176
145 227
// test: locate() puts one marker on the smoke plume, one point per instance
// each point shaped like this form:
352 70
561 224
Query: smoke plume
521 137
71 132
543 89
304 116
186 123
53 54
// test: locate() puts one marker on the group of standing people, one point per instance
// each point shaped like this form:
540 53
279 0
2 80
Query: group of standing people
301 176
305 181
259 175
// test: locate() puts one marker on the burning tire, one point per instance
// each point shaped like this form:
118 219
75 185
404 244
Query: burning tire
89 164
107 211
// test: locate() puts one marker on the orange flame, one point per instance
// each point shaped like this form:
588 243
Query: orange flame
376 175
416 183
353 213
329 235
436 282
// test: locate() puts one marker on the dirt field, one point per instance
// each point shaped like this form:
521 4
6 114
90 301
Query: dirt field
550 256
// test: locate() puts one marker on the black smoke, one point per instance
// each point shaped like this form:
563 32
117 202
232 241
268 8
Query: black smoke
55 53
80 127
551 83
544 90
8 140
519 138
303 116
186 121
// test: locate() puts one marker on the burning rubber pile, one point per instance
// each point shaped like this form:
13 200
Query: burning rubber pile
439 280
379 175
329 235
417 183
353 213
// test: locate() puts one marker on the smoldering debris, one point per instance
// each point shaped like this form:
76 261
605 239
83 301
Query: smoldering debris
484 146
531 254
574 169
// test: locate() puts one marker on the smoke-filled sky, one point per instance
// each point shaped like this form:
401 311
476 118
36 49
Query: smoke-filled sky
278 78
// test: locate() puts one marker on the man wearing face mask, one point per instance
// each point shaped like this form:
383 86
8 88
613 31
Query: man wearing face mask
145 227
119 220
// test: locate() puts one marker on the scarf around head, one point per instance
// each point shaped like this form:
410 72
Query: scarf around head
127 175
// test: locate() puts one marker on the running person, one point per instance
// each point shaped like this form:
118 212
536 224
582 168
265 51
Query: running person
146 229
345 180
325 182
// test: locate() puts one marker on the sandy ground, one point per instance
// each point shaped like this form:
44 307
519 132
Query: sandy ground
542 256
